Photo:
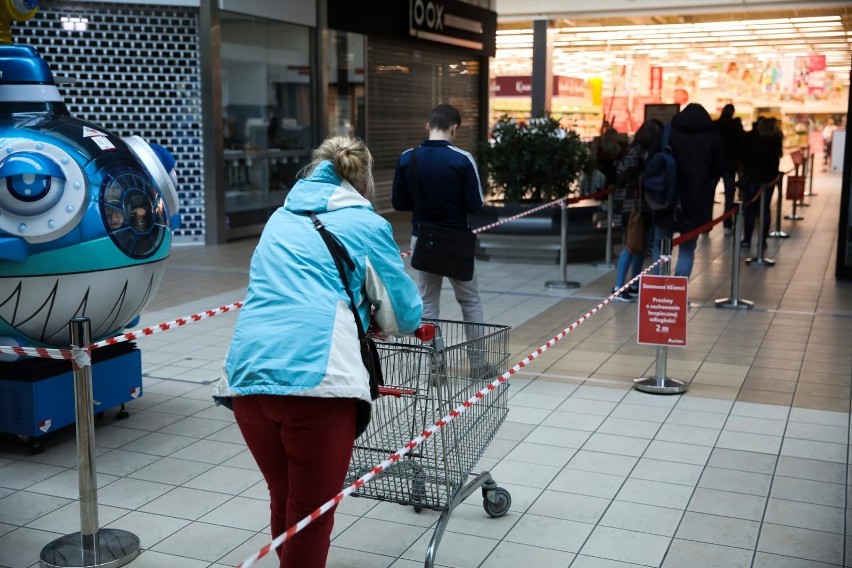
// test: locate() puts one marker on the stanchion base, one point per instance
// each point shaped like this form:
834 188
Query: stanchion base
760 261
115 548
656 385
605 266
729 304
810 194
779 235
793 217
562 284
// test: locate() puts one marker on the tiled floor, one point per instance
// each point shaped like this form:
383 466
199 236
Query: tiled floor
748 468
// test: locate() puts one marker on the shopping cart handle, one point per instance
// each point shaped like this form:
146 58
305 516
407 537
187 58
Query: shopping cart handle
396 391
425 332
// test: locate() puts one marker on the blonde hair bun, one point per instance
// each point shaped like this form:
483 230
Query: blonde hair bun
351 159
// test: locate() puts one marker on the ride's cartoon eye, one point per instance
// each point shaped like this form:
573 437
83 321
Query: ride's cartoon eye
30 183
43 191
133 212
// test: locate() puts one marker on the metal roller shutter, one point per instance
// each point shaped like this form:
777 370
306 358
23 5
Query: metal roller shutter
403 84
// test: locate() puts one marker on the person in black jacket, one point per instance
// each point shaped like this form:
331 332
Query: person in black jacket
628 198
731 129
764 148
448 189
697 149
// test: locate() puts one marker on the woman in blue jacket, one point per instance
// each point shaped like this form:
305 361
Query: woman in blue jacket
294 366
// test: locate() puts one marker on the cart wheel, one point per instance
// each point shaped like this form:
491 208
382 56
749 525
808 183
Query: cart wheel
418 492
500 505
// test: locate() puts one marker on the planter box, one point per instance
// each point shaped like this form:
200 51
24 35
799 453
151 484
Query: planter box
535 238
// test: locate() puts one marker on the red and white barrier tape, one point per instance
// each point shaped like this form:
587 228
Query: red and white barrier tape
536 209
80 356
553 203
179 322
433 429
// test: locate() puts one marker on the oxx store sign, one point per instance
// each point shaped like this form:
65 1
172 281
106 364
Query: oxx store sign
447 21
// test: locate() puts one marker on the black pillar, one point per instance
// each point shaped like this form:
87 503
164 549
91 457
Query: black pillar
541 71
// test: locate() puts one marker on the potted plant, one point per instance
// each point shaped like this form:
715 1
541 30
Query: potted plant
526 164
536 161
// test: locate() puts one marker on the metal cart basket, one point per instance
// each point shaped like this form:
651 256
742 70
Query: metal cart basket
423 383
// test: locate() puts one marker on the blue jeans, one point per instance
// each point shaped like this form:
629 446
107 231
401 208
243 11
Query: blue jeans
685 253
625 261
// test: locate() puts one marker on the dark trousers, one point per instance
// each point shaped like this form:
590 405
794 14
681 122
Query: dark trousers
728 180
302 446
752 211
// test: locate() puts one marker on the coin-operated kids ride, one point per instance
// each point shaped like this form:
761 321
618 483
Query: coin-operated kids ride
86 222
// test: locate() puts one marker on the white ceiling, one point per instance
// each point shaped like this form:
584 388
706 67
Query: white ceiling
508 10
693 44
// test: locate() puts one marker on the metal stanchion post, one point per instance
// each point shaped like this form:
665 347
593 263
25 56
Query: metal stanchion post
661 384
778 233
610 201
761 260
810 191
734 302
563 253
794 216
805 168
91 547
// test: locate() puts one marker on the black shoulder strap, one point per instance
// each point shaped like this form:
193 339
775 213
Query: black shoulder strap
340 256
415 182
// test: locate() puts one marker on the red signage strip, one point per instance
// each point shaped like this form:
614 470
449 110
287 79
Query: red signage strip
521 86
662 310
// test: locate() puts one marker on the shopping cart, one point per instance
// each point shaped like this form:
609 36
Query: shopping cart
423 382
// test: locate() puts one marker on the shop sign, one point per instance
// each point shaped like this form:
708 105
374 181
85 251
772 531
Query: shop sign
511 86
569 86
447 21
662 310
521 86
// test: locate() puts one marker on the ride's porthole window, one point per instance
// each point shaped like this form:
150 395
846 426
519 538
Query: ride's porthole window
133 212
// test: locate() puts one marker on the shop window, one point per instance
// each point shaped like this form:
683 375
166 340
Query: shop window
346 84
266 99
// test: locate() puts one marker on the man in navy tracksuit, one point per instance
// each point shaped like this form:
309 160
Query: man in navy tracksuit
449 189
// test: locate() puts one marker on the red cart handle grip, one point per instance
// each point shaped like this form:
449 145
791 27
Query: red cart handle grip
396 391
425 332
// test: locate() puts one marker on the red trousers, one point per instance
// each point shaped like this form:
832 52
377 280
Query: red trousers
302 446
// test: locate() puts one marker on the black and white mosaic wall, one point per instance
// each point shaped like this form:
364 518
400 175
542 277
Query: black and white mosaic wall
136 70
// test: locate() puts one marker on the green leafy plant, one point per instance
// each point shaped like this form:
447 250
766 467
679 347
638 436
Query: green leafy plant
533 160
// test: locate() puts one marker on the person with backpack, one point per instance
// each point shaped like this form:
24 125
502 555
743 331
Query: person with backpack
628 200
697 150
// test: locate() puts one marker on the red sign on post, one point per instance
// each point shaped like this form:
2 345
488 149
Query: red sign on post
662 310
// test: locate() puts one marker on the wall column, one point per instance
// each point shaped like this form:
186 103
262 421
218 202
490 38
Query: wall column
209 43
319 72
542 71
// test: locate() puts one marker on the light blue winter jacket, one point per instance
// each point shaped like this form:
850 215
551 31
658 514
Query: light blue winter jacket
296 334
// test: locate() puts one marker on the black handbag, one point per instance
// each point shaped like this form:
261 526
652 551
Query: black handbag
443 251
439 250
369 352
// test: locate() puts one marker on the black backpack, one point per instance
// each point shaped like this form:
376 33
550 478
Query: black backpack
659 182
